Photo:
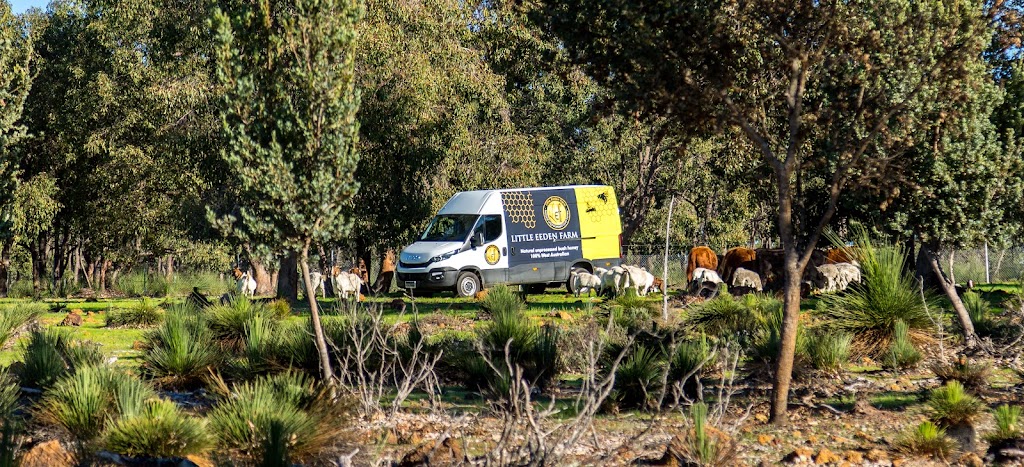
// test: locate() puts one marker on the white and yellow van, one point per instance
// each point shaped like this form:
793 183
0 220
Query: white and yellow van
532 237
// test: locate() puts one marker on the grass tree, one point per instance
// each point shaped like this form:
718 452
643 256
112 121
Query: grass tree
289 120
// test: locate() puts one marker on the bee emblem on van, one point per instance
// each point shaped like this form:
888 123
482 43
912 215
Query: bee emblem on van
556 212
491 255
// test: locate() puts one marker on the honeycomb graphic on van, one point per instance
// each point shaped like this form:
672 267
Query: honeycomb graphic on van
597 203
519 206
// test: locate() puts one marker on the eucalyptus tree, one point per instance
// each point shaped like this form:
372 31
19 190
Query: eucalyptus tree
15 81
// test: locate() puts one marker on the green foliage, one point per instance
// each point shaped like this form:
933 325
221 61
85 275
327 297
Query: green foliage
15 317
637 376
50 353
179 353
502 300
766 344
21 289
144 313
702 444
901 353
546 355
689 354
160 429
227 322
1007 423
828 351
724 316
952 405
972 375
279 309
12 425
277 417
888 295
926 439
980 311
84 402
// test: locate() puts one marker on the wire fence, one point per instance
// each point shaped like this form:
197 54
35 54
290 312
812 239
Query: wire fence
983 265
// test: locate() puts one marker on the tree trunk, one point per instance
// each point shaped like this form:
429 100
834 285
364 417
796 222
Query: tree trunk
169 267
288 278
102 281
970 338
5 265
264 281
325 270
314 316
790 325
38 267
952 275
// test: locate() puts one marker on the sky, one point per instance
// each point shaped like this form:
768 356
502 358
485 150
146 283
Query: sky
19 6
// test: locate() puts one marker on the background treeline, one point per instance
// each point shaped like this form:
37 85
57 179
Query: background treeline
111 141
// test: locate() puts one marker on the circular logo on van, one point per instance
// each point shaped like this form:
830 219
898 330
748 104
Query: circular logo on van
491 255
556 212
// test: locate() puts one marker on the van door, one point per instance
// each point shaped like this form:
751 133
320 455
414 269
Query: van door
493 252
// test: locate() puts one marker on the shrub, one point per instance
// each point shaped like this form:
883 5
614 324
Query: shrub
501 300
144 313
870 310
85 401
65 287
207 283
926 439
1007 423
686 359
545 355
630 300
179 351
277 418
279 308
159 430
11 423
637 376
21 289
980 311
15 317
765 344
261 343
132 284
703 445
901 354
725 317
952 405
827 351
228 322
972 375
50 353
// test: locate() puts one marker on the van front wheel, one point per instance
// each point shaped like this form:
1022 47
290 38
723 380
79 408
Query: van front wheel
467 285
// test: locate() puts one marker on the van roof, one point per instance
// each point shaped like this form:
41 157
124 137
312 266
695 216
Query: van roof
476 202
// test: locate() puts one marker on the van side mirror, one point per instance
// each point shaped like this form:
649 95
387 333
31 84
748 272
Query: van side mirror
476 240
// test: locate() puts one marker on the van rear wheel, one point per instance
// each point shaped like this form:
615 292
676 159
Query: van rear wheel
568 282
467 285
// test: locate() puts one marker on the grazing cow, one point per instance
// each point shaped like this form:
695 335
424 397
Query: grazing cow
845 254
743 277
700 257
736 258
244 283
584 282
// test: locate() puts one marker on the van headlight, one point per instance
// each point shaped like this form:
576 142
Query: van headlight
444 256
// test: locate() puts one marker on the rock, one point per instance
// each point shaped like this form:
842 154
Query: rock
970 459
898 462
853 457
138 345
1010 451
391 438
801 455
825 456
764 439
964 434
72 319
564 316
813 439
877 455
797 434
447 452
480 295
48 454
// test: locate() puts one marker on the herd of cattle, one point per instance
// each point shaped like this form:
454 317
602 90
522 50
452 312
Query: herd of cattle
346 283
744 270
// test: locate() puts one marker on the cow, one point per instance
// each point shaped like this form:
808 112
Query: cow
844 254
771 268
736 258
700 257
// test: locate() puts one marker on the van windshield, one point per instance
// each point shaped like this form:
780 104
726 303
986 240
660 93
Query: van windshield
449 228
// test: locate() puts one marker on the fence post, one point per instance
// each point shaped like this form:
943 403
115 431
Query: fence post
988 278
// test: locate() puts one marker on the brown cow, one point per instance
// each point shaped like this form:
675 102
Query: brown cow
771 267
736 258
841 255
701 257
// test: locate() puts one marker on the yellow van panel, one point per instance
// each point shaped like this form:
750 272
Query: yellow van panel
599 221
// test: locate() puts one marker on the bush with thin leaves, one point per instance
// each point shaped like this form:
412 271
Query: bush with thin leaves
726 317
980 311
179 353
228 322
50 353
702 445
144 313
12 425
888 295
159 429
1008 426
926 439
952 405
828 351
84 402
972 375
902 354
17 316
282 419
637 376
765 344
687 360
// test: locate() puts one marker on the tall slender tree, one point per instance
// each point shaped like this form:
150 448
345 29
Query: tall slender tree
15 80
289 118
